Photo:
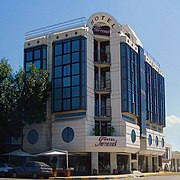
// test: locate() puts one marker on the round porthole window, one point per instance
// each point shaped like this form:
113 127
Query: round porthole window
150 140
156 141
163 142
33 136
68 134
133 136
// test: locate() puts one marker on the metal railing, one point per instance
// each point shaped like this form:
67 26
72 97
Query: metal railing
103 112
55 28
102 57
102 84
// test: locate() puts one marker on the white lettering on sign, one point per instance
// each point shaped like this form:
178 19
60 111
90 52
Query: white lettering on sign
106 141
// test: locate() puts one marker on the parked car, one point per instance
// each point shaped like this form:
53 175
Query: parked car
32 169
5 169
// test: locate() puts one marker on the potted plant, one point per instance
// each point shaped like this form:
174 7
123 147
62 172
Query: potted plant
111 130
96 131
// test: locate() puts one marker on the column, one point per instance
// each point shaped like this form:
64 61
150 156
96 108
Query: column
113 162
94 162
150 163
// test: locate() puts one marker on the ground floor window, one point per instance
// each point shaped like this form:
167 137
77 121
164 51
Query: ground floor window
104 163
122 164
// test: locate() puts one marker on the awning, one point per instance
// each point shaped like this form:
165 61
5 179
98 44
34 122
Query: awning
19 152
52 152
55 152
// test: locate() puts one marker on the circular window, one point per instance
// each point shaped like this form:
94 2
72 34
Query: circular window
156 141
133 136
33 136
150 140
163 142
68 134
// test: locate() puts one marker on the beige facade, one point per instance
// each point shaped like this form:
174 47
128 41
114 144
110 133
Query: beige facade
136 153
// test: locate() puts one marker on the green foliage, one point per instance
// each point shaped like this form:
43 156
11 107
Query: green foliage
23 98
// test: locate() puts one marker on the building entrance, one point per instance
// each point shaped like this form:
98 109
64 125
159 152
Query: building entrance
104 163
123 164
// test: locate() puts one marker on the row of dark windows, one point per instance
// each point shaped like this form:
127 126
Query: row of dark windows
37 56
155 94
130 80
69 75
143 92
68 71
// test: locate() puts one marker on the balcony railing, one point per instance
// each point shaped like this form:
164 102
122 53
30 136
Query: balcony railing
103 112
102 57
102 84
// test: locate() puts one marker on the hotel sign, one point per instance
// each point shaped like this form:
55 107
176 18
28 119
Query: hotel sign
101 30
106 141
105 19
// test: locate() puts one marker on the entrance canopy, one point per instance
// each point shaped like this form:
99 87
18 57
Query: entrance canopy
52 152
55 152
19 152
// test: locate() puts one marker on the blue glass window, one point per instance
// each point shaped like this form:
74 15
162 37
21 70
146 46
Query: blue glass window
66 104
68 134
66 93
67 47
133 136
29 55
75 57
76 103
75 68
75 91
75 45
156 141
163 142
66 70
57 93
75 80
58 49
66 81
58 60
37 56
69 71
37 64
32 136
58 72
66 59
150 140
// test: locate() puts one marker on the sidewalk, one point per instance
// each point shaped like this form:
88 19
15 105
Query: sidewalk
101 177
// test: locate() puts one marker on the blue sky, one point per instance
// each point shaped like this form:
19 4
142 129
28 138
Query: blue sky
155 22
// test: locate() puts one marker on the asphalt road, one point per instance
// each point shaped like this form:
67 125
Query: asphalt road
167 177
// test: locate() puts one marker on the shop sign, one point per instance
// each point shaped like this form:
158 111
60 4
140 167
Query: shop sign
106 141
101 30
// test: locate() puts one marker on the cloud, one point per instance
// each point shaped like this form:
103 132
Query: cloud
172 132
172 120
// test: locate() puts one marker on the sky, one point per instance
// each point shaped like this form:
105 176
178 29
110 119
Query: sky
156 23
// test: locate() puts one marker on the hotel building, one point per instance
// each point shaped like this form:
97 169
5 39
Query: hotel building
107 107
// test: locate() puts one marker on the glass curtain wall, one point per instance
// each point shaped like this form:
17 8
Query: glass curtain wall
69 75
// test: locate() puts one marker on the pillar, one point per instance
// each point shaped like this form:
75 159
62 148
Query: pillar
94 162
150 163
113 162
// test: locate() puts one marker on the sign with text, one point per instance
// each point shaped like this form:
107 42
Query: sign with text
101 30
106 141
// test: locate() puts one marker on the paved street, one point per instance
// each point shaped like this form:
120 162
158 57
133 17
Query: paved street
168 177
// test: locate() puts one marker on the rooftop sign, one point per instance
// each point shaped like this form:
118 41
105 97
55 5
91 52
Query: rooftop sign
103 18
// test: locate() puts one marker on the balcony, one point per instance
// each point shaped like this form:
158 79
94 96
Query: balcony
102 58
102 85
103 113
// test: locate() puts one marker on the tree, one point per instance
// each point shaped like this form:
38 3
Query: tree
23 98
32 94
